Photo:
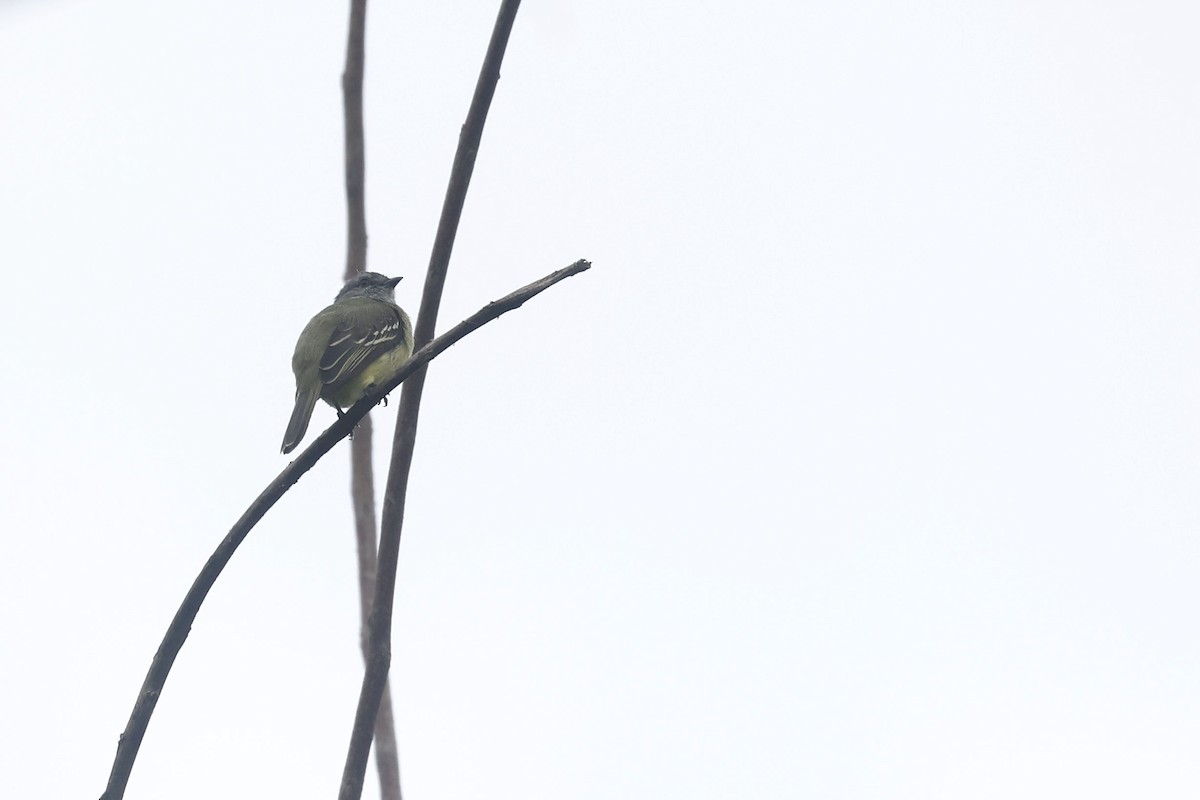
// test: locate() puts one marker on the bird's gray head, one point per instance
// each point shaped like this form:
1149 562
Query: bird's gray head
369 284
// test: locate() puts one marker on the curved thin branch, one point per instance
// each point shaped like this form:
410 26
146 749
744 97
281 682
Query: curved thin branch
177 631
379 626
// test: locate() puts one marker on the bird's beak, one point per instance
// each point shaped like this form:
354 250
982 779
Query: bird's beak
393 281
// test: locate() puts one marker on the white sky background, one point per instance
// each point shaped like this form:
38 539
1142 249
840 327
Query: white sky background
864 462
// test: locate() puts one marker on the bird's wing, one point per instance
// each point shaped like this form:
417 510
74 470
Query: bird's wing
373 328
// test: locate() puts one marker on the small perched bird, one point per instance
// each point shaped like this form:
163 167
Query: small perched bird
359 342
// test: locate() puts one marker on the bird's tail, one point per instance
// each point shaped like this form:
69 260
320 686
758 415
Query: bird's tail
298 424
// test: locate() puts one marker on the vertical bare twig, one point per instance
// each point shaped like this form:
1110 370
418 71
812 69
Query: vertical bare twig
362 473
352 119
379 626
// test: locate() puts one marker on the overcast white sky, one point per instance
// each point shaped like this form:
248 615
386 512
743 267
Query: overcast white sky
863 464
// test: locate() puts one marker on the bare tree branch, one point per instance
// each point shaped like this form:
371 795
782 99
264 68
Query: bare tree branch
181 624
379 625
362 472
352 120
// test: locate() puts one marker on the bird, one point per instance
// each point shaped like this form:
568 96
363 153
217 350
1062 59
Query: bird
358 342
